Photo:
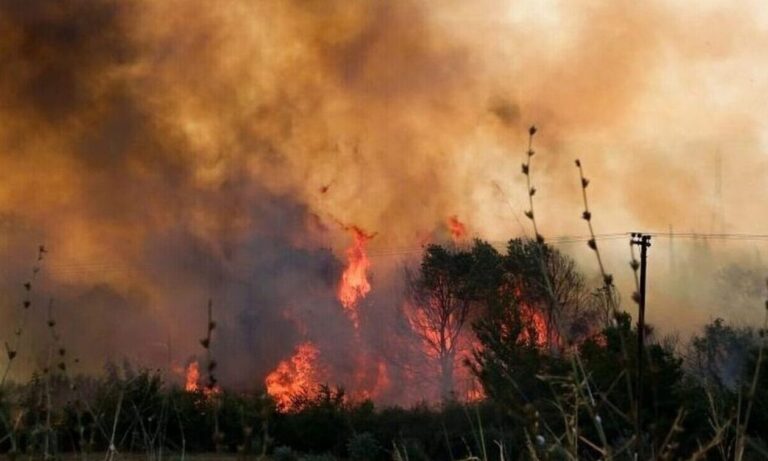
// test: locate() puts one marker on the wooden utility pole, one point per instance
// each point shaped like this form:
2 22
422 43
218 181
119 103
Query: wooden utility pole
644 242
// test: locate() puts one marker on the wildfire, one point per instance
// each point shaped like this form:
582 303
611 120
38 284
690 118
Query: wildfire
354 280
473 390
192 377
457 228
293 376
428 333
192 381
536 323
383 381
457 349
534 319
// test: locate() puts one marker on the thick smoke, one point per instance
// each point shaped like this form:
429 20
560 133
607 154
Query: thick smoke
171 152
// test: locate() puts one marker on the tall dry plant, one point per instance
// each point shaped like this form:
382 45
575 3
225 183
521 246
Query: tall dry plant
211 384
553 307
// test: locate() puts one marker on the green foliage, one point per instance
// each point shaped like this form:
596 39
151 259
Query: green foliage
285 453
363 446
717 357
319 426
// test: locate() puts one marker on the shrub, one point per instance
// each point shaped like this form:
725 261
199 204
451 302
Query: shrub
284 453
363 447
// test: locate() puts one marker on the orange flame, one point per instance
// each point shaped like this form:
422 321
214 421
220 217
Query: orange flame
293 376
466 385
192 377
430 336
457 228
534 319
383 381
473 390
354 280
371 382
192 381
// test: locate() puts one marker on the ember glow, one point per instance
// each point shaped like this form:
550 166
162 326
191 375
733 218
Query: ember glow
293 377
354 284
457 228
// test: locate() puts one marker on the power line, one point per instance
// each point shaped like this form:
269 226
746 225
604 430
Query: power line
117 266
564 240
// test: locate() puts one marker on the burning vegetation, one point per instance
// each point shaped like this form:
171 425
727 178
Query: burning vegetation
174 151
192 377
354 284
295 377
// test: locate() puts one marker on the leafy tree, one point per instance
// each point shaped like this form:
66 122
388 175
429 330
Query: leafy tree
549 281
718 356
439 302
363 446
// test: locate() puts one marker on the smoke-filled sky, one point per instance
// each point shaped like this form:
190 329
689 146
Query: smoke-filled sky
168 152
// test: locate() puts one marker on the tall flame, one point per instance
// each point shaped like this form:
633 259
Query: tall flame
192 377
293 376
354 280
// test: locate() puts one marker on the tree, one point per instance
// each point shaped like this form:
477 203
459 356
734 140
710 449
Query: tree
549 282
718 356
438 306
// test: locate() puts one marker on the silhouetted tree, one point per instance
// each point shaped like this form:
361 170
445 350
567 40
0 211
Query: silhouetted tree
570 308
718 356
439 301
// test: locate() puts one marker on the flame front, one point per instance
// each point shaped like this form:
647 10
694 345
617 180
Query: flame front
354 280
294 376
192 377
